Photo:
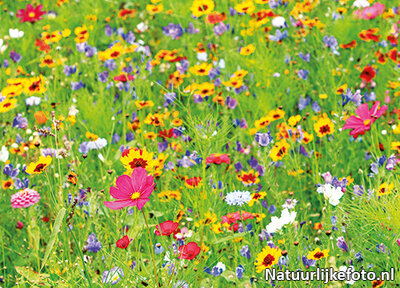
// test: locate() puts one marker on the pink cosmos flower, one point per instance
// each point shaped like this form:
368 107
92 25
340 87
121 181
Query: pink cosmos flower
365 118
371 12
132 191
24 198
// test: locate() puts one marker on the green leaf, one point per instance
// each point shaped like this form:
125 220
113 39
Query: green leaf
56 228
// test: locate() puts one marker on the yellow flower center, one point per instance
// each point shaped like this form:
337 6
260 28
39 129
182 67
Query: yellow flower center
135 196
366 122
31 14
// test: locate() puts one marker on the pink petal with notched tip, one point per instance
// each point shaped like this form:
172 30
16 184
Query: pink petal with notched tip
363 111
116 205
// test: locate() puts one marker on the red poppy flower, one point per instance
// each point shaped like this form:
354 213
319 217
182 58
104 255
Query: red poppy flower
166 228
166 133
218 159
42 46
123 243
189 251
350 45
124 78
215 17
368 74
30 14
193 182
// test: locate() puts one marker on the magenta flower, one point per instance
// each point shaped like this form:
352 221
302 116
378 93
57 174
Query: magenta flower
371 12
365 118
24 198
132 191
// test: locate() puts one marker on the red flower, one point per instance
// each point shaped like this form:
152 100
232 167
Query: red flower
30 14
42 46
350 45
368 74
189 251
123 78
218 159
123 243
192 182
166 133
166 228
20 225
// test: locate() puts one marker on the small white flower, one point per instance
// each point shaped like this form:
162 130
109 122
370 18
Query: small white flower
15 33
33 100
331 193
3 46
202 56
4 154
238 198
278 223
279 22
361 3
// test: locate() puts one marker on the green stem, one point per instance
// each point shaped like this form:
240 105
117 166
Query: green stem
152 248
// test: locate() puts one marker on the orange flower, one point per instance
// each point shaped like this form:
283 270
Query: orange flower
40 117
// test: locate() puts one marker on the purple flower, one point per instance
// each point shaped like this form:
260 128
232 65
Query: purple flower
10 171
15 56
342 244
302 73
108 30
173 30
239 272
93 245
238 166
20 122
220 29
305 57
308 262
129 37
169 98
263 139
391 162
358 190
21 184
113 276
315 107
332 43
103 77
69 70
77 85
231 103
303 102
110 64
192 30
90 51
272 209
245 251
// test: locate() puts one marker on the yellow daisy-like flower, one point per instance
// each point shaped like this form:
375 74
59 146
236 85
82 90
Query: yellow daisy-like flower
324 126
133 158
7 104
385 189
39 166
247 50
201 70
245 7
396 146
267 258
318 254
276 114
279 151
167 196
257 196
202 7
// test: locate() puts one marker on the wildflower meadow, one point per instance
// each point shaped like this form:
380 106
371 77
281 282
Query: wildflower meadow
199 143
